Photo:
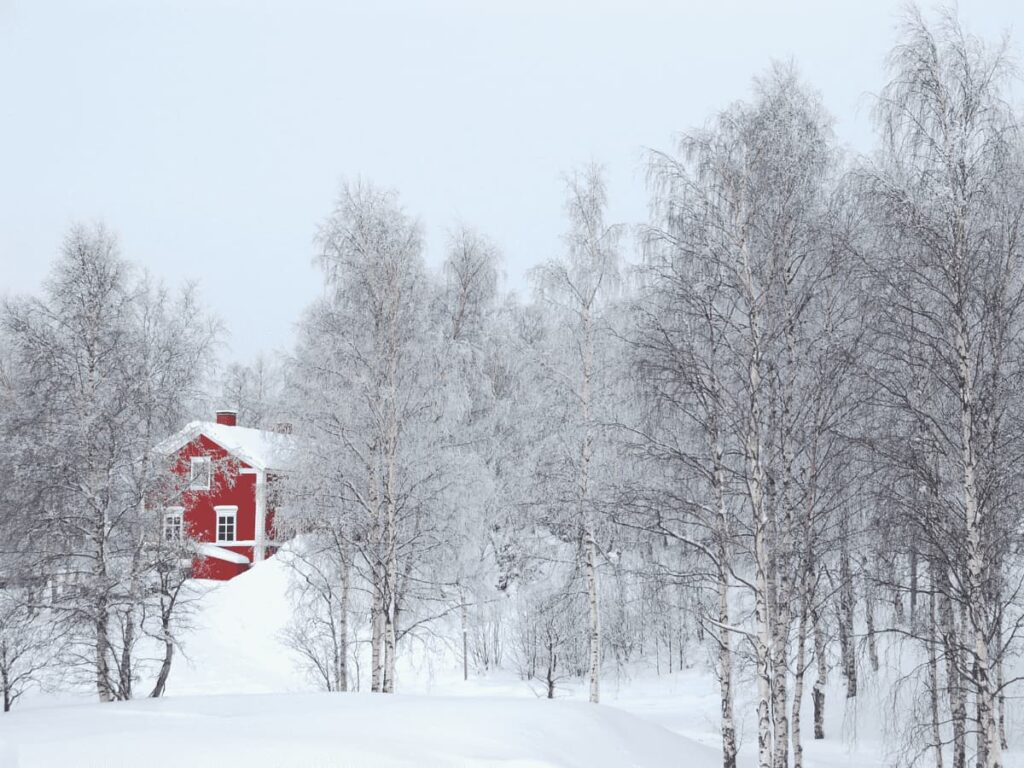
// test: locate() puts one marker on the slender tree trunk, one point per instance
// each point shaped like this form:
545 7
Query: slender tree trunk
913 585
977 594
552 663
933 676
668 650
124 691
755 481
807 596
899 615
378 586
595 618
954 683
464 620
847 608
377 573
981 716
5 679
762 644
165 666
1000 681
390 500
101 619
585 512
724 637
388 685
725 683
821 680
391 577
779 671
167 602
763 637
346 589
798 680
785 560
102 649
377 633
869 614
124 682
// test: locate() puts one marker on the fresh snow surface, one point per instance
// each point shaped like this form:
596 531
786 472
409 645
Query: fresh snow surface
350 730
236 696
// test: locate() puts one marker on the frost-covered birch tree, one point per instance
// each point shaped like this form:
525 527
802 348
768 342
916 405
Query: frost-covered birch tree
946 199
740 345
104 366
365 381
579 287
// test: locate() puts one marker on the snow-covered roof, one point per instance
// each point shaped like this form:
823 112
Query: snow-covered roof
219 553
259 448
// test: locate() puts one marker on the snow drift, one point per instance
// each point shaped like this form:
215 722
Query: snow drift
234 699
331 730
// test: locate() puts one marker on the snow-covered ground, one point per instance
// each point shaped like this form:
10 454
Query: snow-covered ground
319 730
240 697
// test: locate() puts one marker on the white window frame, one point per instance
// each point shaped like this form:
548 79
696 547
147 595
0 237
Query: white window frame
195 485
176 514
226 512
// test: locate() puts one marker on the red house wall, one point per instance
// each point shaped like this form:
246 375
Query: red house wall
228 487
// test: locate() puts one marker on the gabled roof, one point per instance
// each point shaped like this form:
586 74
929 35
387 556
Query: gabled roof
259 448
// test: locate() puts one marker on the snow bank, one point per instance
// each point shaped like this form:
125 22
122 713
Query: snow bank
235 643
270 718
331 730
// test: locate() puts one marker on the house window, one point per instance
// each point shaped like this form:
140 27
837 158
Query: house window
172 524
199 477
226 524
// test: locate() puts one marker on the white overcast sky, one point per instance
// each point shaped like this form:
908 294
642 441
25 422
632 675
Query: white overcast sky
212 136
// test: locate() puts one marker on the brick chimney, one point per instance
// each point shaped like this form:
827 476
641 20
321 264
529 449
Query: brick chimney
227 416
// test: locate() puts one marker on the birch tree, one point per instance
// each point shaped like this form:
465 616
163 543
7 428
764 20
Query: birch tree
362 379
579 286
742 288
946 197
106 364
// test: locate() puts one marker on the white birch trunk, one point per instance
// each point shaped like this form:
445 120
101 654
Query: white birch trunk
954 682
933 678
755 480
346 588
377 573
763 637
585 512
101 618
988 737
391 595
724 636
847 608
798 686
821 680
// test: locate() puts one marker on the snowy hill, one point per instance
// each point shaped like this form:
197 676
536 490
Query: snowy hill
352 730
235 644
239 693
238 696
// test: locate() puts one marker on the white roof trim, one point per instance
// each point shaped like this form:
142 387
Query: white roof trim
206 549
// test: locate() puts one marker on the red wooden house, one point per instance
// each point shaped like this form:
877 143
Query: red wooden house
226 503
